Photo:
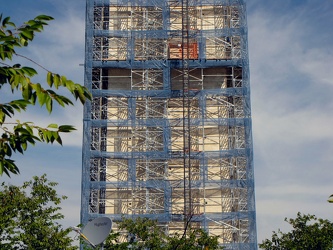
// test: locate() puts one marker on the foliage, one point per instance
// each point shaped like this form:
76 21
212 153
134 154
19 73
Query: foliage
17 135
197 239
308 232
29 215
142 233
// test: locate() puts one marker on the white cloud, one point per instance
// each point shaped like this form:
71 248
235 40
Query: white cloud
291 85
60 47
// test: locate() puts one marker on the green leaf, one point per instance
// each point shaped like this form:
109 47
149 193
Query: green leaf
44 17
49 79
27 34
7 110
2 117
59 140
15 82
41 96
64 99
5 21
29 71
28 128
53 125
70 85
22 102
330 199
18 147
26 92
24 146
31 22
64 80
56 80
7 150
13 71
1 167
48 103
33 98
2 53
81 96
23 41
66 128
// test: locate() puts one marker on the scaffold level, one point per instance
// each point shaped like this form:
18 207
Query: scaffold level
168 133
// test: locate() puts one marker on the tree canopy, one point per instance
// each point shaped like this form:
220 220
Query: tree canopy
29 216
17 135
308 232
143 233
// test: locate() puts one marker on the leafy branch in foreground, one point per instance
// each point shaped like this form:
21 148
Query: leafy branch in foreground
16 135
17 140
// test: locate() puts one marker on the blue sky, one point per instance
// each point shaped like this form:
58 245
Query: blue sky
291 63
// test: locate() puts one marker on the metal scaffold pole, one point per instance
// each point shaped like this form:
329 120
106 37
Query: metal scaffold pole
168 133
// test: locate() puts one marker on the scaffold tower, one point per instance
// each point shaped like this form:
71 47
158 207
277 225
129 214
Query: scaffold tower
168 133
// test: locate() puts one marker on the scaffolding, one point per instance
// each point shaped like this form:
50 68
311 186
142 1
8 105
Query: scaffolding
168 132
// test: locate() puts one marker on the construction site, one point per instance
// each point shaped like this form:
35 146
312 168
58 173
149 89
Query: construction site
168 133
